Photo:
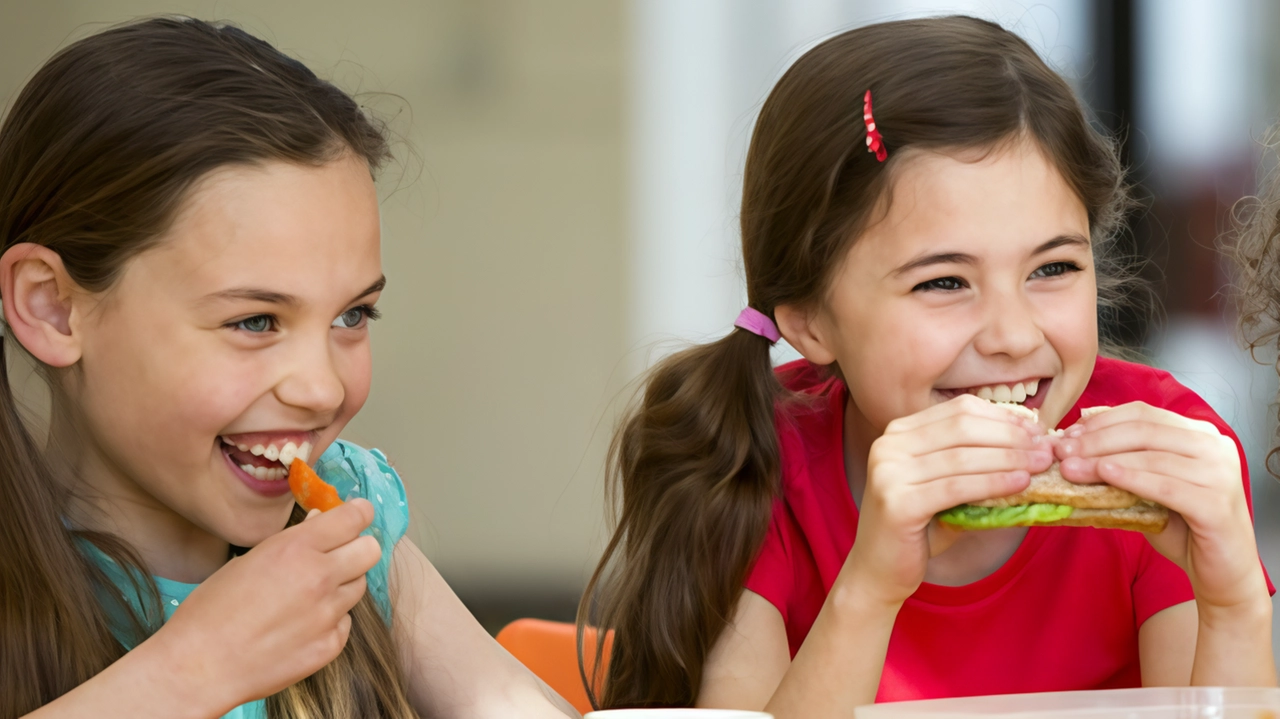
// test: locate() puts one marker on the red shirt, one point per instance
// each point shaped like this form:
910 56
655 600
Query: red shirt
1061 614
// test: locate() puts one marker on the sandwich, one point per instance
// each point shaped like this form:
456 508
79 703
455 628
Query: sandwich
1051 500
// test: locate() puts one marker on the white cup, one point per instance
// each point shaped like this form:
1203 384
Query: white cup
676 714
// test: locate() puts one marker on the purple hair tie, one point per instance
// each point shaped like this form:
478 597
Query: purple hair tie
757 323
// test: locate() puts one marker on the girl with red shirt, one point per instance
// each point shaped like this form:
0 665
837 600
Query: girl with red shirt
776 546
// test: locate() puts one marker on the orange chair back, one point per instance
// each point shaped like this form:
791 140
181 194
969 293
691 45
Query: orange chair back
549 650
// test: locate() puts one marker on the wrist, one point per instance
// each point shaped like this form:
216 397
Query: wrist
853 598
183 676
1244 618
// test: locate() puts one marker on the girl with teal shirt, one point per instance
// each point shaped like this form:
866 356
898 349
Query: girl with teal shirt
190 255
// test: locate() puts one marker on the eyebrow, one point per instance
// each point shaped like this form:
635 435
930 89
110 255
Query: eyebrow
961 258
272 297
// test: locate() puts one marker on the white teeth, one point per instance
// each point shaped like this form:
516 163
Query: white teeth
266 474
285 455
1017 392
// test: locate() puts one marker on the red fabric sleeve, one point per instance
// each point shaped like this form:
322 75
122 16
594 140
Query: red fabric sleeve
1157 583
771 575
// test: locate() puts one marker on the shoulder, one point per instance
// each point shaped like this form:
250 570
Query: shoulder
358 472
1115 382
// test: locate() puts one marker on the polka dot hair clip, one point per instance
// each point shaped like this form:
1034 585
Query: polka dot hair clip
875 141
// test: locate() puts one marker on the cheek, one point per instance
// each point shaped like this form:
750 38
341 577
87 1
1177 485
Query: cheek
162 403
896 355
356 373
1071 326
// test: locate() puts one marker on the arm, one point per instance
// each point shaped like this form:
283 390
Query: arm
260 623
1195 471
150 681
455 668
837 668
1202 646
1167 645
952 453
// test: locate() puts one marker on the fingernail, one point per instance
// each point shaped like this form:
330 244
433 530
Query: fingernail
1074 430
1069 447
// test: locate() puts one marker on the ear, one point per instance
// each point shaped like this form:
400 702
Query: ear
37 293
803 331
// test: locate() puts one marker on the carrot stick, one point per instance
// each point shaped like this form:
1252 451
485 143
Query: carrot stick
311 491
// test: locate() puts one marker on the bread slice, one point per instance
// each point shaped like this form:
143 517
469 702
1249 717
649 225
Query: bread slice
1049 487
1141 517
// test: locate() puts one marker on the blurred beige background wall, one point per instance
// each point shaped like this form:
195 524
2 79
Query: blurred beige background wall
503 244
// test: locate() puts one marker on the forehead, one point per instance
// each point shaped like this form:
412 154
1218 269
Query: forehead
1001 203
304 230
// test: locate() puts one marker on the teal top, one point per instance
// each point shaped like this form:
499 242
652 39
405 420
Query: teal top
355 472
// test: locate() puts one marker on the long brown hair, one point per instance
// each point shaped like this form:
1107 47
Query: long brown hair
98 153
696 460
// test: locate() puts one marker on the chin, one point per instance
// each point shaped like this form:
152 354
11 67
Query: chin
251 534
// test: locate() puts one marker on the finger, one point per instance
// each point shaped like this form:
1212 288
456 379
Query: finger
976 460
943 494
343 629
965 404
1138 435
967 431
339 525
1141 411
1080 470
1085 470
1207 506
312 513
354 558
349 594
942 536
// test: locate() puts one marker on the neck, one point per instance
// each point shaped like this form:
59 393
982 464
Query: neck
107 499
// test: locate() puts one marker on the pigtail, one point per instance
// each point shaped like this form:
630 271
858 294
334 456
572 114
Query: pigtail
54 633
697 463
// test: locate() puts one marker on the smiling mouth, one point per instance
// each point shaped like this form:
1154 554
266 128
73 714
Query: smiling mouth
1029 392
265 457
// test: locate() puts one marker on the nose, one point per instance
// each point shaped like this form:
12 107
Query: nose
1010 327
312 382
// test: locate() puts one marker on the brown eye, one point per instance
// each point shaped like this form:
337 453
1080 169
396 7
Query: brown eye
1055 269
944 284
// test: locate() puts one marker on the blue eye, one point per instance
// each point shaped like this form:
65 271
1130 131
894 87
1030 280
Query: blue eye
356 317
1055 269
943 284
256 324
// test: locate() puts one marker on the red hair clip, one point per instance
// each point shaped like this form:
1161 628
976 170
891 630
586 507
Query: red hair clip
875 142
